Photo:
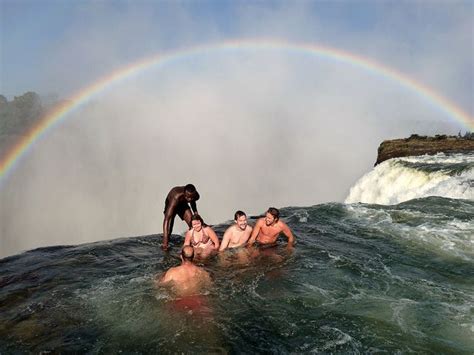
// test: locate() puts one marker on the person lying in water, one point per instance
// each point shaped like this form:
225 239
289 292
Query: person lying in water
201 237
238 234
186 279
268 228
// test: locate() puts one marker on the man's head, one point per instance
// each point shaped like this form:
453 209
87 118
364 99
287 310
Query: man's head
272 216
240 219
187 253
190 193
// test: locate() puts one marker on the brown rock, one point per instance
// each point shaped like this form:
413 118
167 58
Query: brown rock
420 145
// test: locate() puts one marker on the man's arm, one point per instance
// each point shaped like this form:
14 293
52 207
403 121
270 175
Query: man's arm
226 239
247 234
193 207
255 231
165 278
287 232
205 278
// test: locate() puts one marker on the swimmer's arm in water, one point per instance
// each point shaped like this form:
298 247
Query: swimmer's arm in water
165 278
214 238
226 239
255 231
248 233
287 232
206 279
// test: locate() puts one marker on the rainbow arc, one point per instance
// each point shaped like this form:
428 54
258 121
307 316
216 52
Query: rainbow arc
61 112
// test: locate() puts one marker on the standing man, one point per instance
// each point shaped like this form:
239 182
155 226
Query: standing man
268 228
238 234
187 278
181 201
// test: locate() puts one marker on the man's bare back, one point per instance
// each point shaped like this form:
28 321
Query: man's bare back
187 278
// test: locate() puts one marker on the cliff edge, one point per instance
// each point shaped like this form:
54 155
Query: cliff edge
420 145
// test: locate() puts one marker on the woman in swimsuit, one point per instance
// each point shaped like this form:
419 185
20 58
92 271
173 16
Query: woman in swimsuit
201 237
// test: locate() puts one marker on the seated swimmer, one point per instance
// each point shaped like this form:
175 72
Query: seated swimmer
187 278
238 234
268 228
201 237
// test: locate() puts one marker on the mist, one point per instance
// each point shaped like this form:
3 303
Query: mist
250 129
263 130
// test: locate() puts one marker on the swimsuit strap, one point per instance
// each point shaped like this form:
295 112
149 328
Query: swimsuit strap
204 240
205 237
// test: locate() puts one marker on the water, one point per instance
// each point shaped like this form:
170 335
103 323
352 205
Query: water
402 179
363 278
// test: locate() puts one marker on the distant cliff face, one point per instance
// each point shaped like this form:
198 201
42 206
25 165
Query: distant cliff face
420 145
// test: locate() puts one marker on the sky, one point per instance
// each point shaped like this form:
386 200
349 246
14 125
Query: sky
251 128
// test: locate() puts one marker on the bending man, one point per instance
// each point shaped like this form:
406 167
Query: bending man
181 201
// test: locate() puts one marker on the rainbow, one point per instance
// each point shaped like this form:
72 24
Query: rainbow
61 112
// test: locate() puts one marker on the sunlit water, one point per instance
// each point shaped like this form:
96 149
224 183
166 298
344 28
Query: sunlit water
362 278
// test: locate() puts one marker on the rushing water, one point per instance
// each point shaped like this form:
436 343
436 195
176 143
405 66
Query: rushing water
363 278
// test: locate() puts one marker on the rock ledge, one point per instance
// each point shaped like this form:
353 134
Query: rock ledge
421 145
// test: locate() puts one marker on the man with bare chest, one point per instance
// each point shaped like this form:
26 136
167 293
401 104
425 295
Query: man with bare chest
268 228
238 234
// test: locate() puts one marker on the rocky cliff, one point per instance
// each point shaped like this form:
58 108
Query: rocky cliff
420 145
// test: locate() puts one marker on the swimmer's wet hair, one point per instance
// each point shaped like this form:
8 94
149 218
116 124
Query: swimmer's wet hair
238 214
274 212
190 188
196 217
187 253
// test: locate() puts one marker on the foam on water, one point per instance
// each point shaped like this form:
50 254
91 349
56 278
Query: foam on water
402 179
442 234
362 279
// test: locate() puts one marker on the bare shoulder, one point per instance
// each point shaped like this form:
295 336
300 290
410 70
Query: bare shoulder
260 222
172 271
249 229
176 192
165 277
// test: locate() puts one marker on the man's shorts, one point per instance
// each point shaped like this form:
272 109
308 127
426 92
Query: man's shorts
181 209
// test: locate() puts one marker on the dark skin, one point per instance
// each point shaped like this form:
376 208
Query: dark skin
178 202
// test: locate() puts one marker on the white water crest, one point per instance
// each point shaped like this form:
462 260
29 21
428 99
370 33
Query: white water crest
402 179
420 229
